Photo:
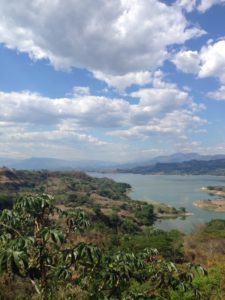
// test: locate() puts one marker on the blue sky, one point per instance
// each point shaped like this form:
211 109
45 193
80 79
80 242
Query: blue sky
114 80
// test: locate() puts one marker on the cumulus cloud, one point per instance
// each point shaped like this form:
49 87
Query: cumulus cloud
213 60
66 133
206 4
78 125
154 101
87 111
27 140
34 108
208 62
200 147
201 5
58 135
121 82
115 37
121 42
177 122
187 61
219 94
188 5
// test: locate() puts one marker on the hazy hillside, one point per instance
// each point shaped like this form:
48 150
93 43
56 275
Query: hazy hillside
38 163
54 164
195 167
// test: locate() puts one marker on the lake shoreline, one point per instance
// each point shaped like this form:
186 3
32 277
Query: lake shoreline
216 205
175 190
211 205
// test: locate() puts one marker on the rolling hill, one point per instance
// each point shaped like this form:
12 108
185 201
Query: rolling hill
195 167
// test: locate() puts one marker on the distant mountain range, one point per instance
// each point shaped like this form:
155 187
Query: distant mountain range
192 167
141 166
54 164
175 158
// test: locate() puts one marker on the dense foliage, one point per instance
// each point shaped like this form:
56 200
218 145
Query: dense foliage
37 244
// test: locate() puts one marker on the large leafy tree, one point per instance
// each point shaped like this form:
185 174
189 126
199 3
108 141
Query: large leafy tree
34 246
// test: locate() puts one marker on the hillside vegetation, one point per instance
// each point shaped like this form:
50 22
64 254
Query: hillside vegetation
41 249
105 200
91 241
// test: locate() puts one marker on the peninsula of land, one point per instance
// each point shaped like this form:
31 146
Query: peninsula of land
102 198
217 205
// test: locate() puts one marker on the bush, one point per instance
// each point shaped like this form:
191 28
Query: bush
128 226
6 201
79 200
215 225
145 215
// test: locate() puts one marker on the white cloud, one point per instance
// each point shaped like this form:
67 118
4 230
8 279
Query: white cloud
58 135
201 148
187 61
188 5
89 112
123 43
81 91
206 4
32 108
27 140
213 60
154 101
115 36
201 5
219 94
121 82
178 123
208 62
66 133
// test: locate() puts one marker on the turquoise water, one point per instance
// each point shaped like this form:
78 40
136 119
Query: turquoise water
174 190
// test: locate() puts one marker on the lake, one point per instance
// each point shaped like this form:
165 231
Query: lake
174 190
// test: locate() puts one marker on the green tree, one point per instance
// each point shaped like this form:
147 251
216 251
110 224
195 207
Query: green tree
34 246
183 209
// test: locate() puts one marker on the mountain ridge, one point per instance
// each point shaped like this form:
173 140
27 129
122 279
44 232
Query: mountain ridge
55 164
192 167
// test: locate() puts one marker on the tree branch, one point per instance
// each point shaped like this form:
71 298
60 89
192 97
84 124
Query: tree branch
35 286
11 228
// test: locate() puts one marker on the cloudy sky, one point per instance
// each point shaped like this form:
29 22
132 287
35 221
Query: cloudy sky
112 80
